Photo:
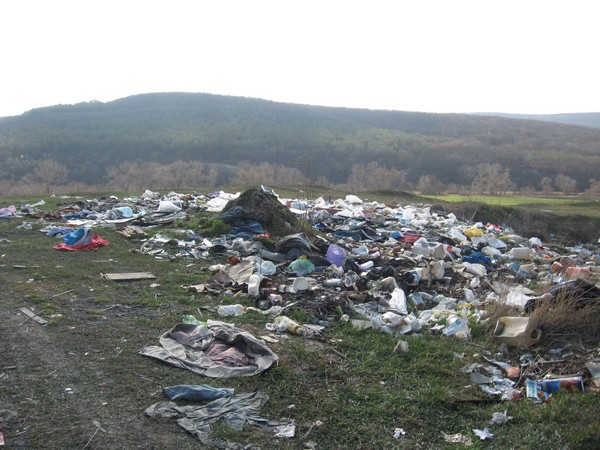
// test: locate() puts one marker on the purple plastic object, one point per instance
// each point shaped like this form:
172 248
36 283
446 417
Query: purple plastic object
336 254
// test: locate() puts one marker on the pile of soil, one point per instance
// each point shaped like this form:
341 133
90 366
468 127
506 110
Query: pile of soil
262 206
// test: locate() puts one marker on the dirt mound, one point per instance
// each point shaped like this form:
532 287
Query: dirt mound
262 206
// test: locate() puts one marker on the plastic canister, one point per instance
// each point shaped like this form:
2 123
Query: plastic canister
231 310
521 253
518 331
254 285
284 323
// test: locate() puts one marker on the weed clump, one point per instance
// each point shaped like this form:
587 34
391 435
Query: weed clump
214 227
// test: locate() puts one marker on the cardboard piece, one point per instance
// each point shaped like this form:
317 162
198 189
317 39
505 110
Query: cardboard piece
543 389
33 316
130 276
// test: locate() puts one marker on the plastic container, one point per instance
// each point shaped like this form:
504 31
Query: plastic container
333 282
367 265
284 323
267 268
300 284
192 320
231 310
518 331
522 253
254 285
459 327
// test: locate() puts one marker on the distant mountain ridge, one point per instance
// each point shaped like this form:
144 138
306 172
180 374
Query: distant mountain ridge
324 143
591 119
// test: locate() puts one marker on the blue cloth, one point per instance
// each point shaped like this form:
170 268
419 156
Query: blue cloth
247 230
82 236
477 258
59 231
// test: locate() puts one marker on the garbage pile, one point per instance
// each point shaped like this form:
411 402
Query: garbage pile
398 269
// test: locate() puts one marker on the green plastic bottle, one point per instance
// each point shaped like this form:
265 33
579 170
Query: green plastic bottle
191 320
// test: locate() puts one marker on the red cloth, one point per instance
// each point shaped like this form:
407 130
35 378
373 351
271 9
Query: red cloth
410 238
97 241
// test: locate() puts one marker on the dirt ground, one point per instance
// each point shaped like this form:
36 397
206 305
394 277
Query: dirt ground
64 387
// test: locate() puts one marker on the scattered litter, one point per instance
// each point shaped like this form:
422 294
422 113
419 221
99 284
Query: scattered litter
285 431
594 368
98 425
542 390
401 347
400 270
484 434
399 432
458 438
500 418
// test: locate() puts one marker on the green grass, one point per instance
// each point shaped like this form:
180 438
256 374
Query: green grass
571 205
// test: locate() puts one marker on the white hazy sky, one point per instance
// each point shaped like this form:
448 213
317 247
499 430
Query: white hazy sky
517 56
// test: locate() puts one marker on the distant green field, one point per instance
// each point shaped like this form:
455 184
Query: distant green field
557 205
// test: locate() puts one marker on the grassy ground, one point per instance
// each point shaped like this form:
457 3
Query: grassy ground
79 382
563 206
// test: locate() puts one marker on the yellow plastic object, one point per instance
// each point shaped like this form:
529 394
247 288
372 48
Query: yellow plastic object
473 232
518 331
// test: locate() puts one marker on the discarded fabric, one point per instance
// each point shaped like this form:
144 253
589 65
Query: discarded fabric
196 393
216 350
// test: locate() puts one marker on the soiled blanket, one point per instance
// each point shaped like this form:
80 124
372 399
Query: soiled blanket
236 411
216 349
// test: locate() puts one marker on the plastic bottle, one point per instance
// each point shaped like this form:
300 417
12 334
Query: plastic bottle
191 320
367 265
254 285
231 310
284 323
275 299
333 282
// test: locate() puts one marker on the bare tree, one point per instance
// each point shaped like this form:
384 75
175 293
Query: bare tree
373 177
50 173
492 179
594 186
430 185
565 184
547 185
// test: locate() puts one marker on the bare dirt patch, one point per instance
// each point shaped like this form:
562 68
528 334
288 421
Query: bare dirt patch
81 383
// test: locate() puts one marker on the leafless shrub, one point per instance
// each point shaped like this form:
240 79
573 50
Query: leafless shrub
567 318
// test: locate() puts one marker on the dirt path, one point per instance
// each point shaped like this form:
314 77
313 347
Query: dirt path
81 384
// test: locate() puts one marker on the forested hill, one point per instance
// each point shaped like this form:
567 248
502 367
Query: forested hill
325 144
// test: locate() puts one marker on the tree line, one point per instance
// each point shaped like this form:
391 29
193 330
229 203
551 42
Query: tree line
51 177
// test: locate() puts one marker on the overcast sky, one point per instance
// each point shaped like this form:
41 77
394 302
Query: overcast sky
515 56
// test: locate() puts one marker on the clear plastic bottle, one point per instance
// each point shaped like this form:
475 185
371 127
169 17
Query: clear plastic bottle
231 310
254 285
284 323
